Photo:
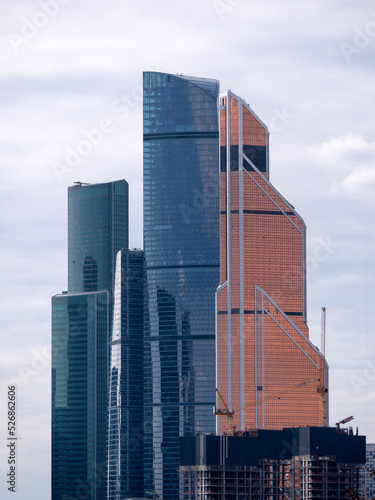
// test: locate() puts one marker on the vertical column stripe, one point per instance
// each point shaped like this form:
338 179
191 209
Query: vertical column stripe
241 260
229 254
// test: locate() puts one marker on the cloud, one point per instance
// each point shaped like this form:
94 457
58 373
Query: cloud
361 181
351 159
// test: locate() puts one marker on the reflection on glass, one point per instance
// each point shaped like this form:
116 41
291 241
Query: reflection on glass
181 243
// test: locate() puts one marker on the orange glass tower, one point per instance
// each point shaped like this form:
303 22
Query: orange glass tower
268 372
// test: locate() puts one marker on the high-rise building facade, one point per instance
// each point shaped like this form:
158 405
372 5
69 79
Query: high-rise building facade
125 418
81 326
368 474
79 395
268 372
306 463
97 230
181 245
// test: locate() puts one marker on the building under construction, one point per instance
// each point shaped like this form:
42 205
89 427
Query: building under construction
294 464
262 337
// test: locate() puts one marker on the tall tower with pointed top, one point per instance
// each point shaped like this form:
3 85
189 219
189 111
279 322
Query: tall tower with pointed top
268 371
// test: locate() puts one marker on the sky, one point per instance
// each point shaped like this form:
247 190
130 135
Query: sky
71 71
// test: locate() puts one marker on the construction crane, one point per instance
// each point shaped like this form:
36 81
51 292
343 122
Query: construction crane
230 413
321 388
344 421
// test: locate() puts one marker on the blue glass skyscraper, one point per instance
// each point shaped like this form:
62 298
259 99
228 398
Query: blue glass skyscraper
97 230
81 326
181 245
125 419
79 395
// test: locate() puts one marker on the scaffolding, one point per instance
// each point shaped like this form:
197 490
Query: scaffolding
303 478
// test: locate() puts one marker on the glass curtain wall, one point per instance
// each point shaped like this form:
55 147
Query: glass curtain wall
97 230
125 424
181 245
79 395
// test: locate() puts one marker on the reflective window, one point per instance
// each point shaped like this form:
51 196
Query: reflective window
181 243
79 394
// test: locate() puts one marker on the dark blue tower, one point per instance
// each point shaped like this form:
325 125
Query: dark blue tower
181 245
125 417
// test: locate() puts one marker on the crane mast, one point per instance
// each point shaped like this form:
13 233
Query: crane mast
323 333
322 390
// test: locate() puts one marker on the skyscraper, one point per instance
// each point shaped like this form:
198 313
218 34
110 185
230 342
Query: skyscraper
268 371
125 419
97 230
81 325
79 395
181 245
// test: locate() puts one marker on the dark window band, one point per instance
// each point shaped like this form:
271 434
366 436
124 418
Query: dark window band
174 338
258 212
182 266
177 405
237 311
267 212
181 135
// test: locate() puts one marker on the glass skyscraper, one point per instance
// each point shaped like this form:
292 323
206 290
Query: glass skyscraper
269 373
181 245
125 421
81 326
134 358
97 230
79 395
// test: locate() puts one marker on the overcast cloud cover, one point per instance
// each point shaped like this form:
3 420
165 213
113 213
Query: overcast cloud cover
305 67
